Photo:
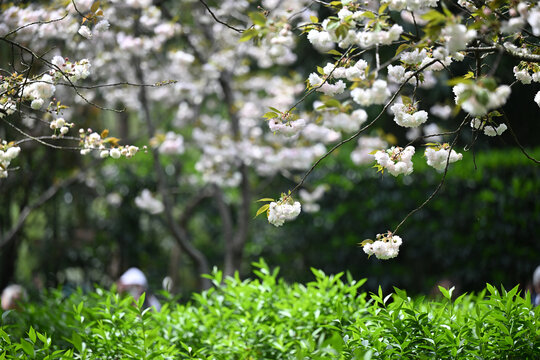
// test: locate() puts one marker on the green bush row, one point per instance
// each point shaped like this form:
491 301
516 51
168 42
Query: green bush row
266 318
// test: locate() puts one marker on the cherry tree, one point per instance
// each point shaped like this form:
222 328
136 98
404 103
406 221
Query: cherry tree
217 82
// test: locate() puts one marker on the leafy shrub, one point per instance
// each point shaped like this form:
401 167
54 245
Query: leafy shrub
266 318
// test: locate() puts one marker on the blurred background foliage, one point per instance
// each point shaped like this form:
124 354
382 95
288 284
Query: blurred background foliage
479 228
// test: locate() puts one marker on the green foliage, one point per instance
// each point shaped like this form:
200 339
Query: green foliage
266 318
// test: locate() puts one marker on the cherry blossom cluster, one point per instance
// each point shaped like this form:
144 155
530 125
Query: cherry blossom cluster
396 160
411 5
60 126
322 85
439 155
286 209
378 93
407 115
386 246
8 152
72 71
286 124
105 146
489 130
477 98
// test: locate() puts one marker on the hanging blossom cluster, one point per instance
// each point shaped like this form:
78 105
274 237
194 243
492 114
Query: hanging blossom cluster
411 5
378 93
407 115
286 209
478 98
60 126
339 119
386 246
105 146
489 130
8 152
322 85
286 124
41 89
439 156
356 33
396 160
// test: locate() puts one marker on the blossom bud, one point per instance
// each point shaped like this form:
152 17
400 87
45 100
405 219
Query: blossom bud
115 153
104 154
64 130
36 104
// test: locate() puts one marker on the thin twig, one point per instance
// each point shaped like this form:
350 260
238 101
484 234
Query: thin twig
324 82
516 139
355 135
35 23
219 21
440 183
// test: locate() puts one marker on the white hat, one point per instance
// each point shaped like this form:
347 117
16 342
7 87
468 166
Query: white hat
536 276
133 276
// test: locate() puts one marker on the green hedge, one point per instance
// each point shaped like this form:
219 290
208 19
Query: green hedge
266 318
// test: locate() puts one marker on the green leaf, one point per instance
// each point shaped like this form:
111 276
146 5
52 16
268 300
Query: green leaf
314 19
332 103
262 209
27 347
140 300
258 18
274 109
406 100
446 293
248 34
369 14
365 242
32 334
334 52
270 115
459 80
401 48
469 75
76 340
265 199
94 6
434 17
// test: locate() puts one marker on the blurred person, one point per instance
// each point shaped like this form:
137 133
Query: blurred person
536 287
134 282
12 297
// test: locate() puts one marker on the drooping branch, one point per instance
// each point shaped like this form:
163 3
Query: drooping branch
219 21
355 135
441 183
